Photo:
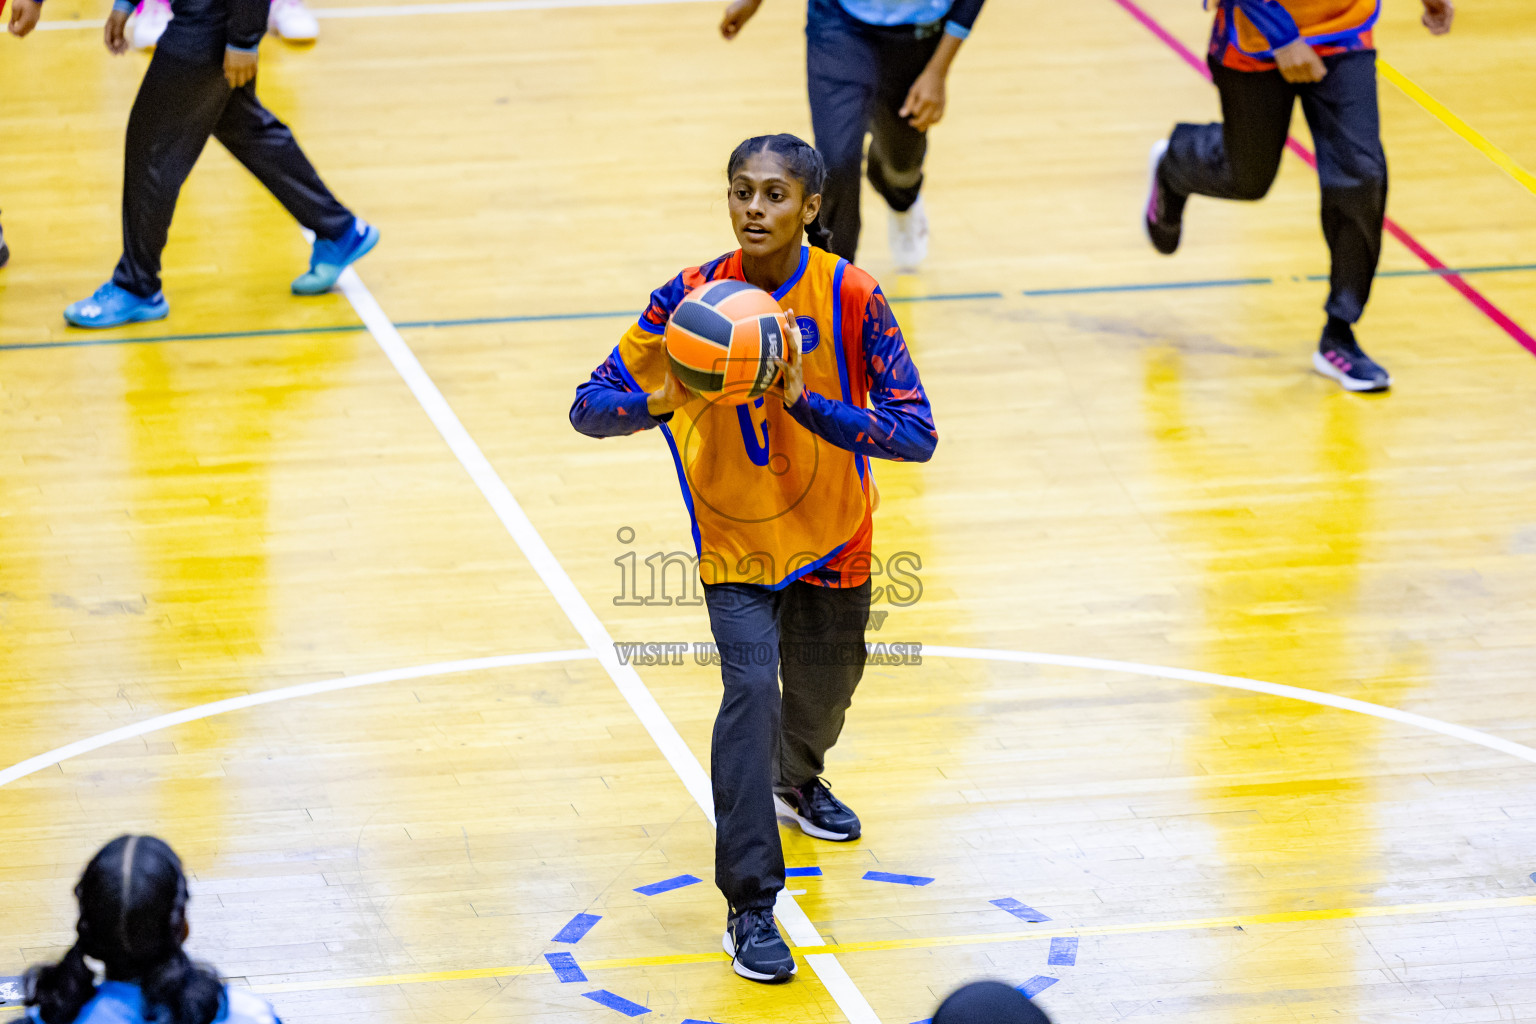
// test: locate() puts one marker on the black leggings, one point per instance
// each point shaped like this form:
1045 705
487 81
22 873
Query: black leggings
179 105
1239 158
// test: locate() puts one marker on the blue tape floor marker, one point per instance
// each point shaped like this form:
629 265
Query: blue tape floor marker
605 998
577 928
564 966
1039 983
797 873
1019 910
886 876
667 885
1063 952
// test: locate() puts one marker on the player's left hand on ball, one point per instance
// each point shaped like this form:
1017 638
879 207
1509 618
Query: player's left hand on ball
925 101
1438 15
239 67
24 15
791 369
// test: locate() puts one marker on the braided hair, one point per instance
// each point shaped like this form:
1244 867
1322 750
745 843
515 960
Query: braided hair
133 902
804 164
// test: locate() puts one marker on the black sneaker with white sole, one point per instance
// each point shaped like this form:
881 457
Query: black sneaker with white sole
756 948
817 811
1340 358
1164 216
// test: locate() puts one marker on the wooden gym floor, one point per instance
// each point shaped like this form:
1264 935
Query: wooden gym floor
259 494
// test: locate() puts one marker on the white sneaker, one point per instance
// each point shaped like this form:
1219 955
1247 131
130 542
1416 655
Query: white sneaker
149 21
909 238
291 20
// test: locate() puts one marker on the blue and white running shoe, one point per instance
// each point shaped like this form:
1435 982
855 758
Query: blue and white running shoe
111 306
328 259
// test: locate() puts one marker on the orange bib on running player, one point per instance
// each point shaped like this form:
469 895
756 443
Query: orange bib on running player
1318 20
770 500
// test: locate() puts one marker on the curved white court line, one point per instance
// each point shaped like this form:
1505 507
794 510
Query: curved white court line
36 764
219 707
1460 732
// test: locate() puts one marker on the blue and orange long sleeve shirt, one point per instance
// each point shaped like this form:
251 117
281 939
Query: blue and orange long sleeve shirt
779 493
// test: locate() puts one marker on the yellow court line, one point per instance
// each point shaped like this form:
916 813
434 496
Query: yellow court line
1412 89
1035 935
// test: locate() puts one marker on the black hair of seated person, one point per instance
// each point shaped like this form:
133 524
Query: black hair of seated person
989 1002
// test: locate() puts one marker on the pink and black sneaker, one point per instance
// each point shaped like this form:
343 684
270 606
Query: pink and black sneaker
1340 357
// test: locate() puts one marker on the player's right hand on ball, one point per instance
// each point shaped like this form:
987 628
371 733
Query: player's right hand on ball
1299 63
114 35
736 15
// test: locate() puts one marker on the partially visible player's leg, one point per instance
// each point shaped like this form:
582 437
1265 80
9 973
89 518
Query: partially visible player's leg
1236 158
749 860
897 150
267 148
1345 120
841 77
822 651
177 105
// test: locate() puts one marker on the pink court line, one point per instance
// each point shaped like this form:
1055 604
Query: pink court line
1396 230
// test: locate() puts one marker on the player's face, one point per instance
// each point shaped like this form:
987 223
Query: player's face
768 207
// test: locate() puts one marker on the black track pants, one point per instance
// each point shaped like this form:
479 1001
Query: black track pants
858 77
179 105
816 634
1238 159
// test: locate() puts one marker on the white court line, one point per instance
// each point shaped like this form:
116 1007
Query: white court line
1460 732
36 764
428 10
47 760
838 985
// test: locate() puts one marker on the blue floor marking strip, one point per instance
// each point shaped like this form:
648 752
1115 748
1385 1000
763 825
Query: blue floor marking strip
1235 282
564 966
576 929
482 321
215 336
801 872
1504 268
954 297
667 885
613 1002
1039 983
886 876
1018 909
1063 952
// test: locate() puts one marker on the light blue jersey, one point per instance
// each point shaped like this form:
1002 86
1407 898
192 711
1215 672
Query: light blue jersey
904 12
119 1002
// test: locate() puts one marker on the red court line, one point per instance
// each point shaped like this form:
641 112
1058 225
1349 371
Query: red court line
1396 230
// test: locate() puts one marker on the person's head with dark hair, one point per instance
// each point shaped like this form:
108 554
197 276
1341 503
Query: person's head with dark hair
775 195
133 920
989 1002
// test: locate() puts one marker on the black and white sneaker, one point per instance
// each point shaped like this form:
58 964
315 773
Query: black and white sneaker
1340 357
817 811
1164 216
756 948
